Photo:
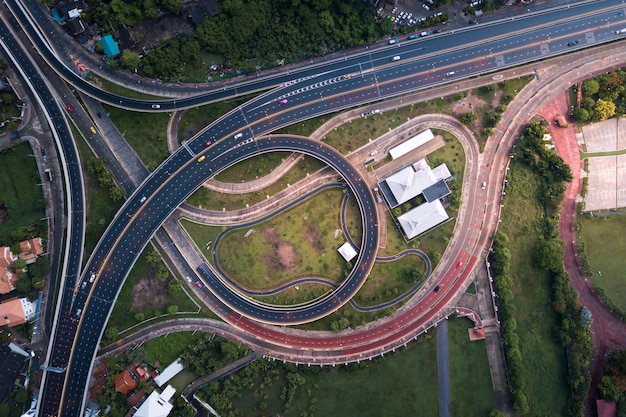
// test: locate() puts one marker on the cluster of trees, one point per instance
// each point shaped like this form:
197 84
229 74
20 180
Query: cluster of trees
97 166
259 377
574 332
262 32
612 386
14 237
604 97
118 12
211 353
501 265
549 166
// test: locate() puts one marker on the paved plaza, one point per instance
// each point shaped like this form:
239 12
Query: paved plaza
607 174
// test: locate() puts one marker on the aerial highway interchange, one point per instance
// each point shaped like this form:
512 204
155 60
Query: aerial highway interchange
325 87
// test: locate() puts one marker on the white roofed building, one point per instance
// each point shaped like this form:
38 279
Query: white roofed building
157 405
422 218
347 251
407 183
168 373
411 144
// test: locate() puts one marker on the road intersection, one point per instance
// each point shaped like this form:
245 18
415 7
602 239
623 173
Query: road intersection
142 216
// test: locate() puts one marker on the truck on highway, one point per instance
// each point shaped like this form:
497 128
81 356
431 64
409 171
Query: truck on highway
619 32
393 41
425 33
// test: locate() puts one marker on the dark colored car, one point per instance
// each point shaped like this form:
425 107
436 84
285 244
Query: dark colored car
437 288
572 43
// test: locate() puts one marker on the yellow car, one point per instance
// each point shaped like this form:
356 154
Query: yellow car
93 130
202 158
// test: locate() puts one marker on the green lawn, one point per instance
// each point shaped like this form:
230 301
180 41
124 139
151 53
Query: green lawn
389 280
471 389
217 201
543 356
100 207
298 243
252 168
402 384
202 235
144 132
22 201
606 258
166 349
145 284
198 118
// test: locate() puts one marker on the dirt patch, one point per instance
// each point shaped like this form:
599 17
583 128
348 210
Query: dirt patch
467 104
286 256
150 34
149 292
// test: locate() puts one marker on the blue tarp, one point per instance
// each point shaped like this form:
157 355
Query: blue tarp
110 46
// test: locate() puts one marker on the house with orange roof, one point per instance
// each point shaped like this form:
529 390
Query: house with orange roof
7 278
128 379
31 249
16 311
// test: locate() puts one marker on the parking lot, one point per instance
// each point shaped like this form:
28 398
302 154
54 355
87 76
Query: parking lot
607 174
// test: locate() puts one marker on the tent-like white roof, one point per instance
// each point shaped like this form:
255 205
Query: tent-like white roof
347 251
409 182
422 218
413 143
169 372
157 405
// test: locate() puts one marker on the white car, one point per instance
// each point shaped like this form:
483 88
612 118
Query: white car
396 58
425 6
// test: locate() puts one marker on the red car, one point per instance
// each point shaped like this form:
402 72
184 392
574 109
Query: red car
70 109
208 143
198 284
283 101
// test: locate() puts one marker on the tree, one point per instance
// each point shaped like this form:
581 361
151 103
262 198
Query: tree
116 193
40 268
19 264
173 309
496 413
580 115
110 334
548 253
468 118
173 288
23 285
591 87
604 109
8 98
608 390
129 59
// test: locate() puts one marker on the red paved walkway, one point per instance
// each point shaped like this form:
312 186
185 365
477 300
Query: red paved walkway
609 332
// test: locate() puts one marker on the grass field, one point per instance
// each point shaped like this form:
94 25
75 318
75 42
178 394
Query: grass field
166 349
298 243
607 258
144 132
196 119
543 357
253 168
22 202
217 201
389 280
124 313
471 389
402 384
100 207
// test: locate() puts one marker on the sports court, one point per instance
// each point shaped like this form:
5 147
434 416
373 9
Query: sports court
607 174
